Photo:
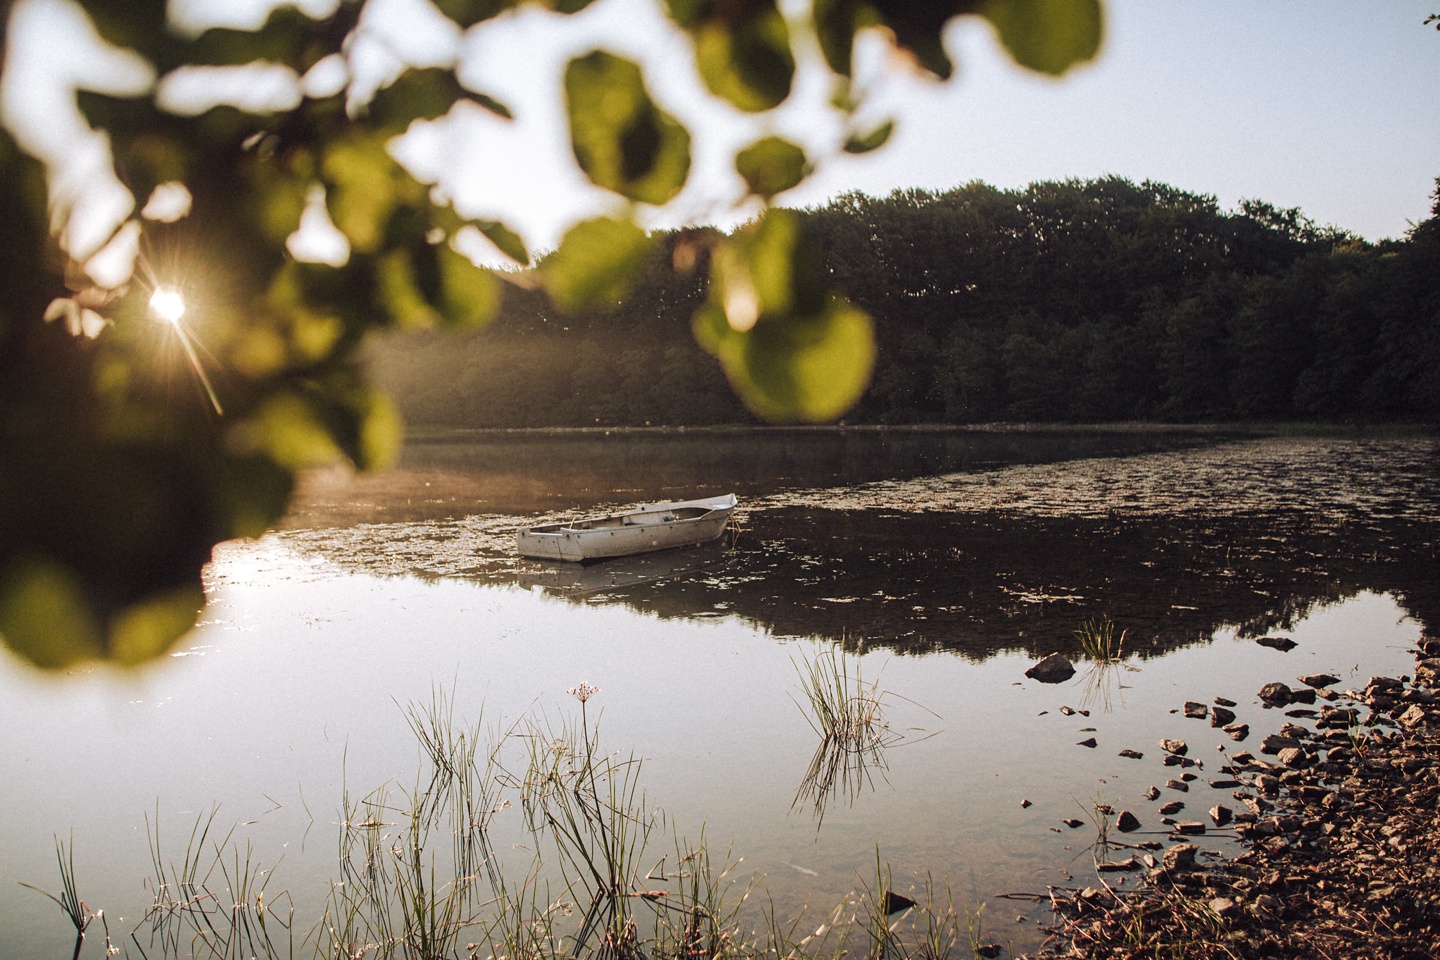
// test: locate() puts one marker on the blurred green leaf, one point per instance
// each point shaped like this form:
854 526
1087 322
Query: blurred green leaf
467 13
44 615
873 140
792 350
507 240
286 430
145 630
621 139
597 261
919 28
282 39
772 165
359 189
1048 36
810 370
742 49
401 295
128 23
772 264
492 105
836 22
417 94
471 295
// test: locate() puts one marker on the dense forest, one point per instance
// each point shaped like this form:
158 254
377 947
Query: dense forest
1086 301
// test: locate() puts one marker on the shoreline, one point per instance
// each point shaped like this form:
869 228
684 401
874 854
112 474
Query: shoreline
1341 816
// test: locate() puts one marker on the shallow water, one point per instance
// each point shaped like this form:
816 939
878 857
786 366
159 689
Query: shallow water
946 564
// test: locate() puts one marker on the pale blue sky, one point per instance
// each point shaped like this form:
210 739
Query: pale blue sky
1328 106
1333 107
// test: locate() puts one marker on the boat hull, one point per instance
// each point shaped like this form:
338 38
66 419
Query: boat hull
659 526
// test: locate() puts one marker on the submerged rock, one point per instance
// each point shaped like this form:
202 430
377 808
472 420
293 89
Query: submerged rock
1053 669
1318 679
1276 694
1283 644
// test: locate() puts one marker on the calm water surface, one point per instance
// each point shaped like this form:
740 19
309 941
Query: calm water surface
944 563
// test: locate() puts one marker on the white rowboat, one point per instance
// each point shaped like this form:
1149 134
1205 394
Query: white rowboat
655 526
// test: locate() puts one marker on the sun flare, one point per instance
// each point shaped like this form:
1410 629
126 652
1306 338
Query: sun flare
167 305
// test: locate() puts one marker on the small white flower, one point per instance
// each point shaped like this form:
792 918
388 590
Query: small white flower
583 692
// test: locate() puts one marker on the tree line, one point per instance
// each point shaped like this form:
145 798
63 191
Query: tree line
1076 301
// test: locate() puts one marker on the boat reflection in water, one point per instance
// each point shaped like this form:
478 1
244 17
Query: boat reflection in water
575 580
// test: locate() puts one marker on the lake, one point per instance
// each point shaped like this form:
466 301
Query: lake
942 563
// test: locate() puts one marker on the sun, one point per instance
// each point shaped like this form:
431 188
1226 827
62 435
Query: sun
167 305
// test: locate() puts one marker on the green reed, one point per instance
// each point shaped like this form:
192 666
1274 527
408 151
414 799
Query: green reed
1098 641
606 878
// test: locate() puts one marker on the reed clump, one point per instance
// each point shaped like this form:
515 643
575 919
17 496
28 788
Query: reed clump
851 718
601 875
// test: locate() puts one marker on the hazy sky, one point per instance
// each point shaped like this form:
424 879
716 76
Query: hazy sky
1327 106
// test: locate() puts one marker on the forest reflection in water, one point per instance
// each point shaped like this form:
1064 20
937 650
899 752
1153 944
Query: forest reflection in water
973 543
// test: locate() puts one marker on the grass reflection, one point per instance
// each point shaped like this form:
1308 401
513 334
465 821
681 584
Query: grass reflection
850 717
1107 658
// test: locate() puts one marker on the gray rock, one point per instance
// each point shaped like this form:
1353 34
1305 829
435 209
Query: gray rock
1053 669
1275 693
1180 857
1294 757
1223 907
1276 742
1129 863
1413 716
1338 717
1267 907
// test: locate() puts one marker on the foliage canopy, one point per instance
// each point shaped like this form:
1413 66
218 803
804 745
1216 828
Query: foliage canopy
131 447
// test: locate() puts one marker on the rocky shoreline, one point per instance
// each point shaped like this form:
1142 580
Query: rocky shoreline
1340 816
